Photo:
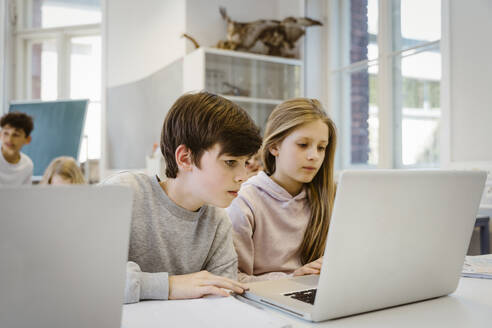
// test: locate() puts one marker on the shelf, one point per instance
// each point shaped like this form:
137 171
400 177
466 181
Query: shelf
258 83
253 100
249 55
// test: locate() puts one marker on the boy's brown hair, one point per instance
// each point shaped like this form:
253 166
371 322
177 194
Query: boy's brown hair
201 120
18 120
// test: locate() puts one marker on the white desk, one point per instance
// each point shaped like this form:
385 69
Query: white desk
469 306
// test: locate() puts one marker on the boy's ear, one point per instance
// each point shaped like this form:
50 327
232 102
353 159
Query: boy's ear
28 140
183 158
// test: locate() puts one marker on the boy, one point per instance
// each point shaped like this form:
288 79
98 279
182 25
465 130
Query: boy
181 240
15 167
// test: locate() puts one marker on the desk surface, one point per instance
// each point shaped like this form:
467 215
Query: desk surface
469 306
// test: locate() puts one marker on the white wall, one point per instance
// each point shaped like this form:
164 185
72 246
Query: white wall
466 85
316 53
142 37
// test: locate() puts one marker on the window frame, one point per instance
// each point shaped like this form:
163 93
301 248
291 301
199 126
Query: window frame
390 129
62 37
25 37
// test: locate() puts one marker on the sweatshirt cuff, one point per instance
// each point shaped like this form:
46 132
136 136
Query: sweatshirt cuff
154 286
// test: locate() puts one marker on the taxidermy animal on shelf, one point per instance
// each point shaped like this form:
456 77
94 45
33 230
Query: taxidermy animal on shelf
278 38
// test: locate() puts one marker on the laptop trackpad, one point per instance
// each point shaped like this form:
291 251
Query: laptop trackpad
308 281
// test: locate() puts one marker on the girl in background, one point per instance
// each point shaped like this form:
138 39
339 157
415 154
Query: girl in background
253 165
282 215
63 171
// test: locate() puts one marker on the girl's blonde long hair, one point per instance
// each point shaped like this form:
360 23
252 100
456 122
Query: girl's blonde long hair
284 119
66 167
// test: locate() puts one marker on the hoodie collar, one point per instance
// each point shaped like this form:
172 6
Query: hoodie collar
264 182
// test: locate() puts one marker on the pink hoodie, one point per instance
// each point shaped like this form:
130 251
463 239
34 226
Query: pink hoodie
268 225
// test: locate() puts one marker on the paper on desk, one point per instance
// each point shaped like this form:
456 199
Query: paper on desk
213 312
479 266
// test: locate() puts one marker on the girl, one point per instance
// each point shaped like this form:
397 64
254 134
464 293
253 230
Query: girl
62 171
281 216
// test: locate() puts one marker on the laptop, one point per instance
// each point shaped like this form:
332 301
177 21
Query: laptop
396 237
63 253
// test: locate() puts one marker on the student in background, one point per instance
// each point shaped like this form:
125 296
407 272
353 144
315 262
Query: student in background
63 171
253 165
15 167
181 238
281 216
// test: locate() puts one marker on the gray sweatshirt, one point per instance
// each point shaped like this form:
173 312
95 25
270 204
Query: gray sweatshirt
166 239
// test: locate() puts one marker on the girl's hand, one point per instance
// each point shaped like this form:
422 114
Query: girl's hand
310 268
198 284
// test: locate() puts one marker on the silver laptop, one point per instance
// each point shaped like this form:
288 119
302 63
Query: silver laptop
63 253
395 237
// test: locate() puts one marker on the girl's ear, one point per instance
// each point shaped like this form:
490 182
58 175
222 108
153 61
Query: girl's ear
273 150
183 158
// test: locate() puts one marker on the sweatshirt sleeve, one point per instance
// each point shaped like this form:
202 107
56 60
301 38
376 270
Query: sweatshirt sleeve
222 259
242 220
145 286
140 285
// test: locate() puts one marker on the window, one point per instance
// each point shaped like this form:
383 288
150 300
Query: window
43 70
59 13
389 69
58 56
416 79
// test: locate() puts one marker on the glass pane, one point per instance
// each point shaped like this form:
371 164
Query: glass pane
419 22
91 143
85 67
363 30
258 112
417 90
55 13
44 70
362 123
243 77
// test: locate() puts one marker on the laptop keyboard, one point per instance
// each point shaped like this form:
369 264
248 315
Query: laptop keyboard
307 295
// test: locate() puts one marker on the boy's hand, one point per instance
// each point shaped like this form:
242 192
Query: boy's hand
196 285
310 268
